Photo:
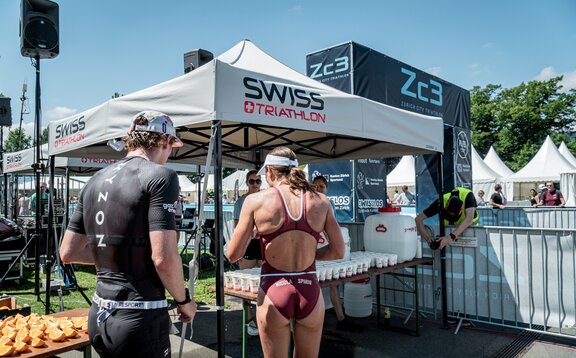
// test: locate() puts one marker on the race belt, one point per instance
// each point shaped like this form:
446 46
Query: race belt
135 305
107 307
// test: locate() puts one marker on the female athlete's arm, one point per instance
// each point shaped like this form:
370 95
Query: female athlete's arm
335 249
243 231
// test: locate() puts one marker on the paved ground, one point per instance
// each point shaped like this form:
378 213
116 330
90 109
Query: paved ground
374 342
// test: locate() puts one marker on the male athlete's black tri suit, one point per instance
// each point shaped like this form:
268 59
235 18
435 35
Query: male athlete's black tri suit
117 209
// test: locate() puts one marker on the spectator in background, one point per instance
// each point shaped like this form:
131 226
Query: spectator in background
534 198
541 189
552 196
23 204
498 200
406 198
43 195
253 254
396 197
480 200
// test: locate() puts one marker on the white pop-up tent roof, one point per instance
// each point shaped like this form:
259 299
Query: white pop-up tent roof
22 161
547 164
481 172
495 163
403 174
483 177
262 104
563 149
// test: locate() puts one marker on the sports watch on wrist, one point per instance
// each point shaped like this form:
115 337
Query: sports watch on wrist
187 299
453 237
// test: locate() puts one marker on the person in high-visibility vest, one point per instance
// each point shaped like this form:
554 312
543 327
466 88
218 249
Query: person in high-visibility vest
458 208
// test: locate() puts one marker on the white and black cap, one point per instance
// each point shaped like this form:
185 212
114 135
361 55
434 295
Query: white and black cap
158 122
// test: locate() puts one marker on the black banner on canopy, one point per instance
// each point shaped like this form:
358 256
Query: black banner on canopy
332 67
370 179
340 188
384 79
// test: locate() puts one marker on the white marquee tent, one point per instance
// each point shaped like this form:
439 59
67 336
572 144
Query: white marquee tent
483 177
249 103
495 163
568 187
563 149
547 164
403 174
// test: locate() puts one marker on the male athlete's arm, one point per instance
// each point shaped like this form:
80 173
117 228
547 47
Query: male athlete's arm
169 268
74 249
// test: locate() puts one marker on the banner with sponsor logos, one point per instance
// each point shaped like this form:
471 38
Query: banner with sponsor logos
340 186
331 67
384 79
370 179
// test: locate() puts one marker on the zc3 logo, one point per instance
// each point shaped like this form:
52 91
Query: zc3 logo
430 92
340 64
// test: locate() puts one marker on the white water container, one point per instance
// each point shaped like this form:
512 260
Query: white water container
326 296
345 235
358 298
391 233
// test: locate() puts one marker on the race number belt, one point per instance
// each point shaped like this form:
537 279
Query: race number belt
107 307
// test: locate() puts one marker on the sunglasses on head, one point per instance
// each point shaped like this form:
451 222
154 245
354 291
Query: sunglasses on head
254 181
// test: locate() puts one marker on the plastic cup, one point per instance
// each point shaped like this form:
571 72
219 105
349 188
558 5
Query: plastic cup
321 274
328 273
254 284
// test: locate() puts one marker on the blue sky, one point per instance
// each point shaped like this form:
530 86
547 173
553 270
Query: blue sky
109 46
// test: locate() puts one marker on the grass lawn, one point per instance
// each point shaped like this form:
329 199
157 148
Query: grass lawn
86 276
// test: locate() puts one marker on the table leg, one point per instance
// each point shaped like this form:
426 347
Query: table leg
416 301
377 277
87 351
245 308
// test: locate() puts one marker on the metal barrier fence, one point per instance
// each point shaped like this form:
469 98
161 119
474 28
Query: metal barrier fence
516 277
541 217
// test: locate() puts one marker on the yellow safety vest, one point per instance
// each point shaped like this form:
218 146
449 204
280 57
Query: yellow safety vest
462 193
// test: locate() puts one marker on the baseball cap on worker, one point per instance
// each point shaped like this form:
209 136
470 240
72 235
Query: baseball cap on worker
158 122
452 209
275 160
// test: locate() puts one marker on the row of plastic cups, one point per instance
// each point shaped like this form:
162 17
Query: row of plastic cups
327 271
377 259
242 281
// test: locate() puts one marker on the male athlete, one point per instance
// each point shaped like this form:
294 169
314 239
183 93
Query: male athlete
124 224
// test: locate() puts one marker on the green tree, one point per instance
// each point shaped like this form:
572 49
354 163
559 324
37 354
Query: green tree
517 120
43 137
17 140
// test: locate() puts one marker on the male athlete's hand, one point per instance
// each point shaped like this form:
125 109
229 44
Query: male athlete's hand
187 312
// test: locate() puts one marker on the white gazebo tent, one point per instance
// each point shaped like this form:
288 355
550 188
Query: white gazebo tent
546 165
563 149
403 174
495 163
568 187
249 103
483 177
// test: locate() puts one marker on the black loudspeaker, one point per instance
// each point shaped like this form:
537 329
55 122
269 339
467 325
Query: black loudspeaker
196 58
39 35
5 112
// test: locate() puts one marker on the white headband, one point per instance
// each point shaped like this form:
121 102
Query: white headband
277 161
